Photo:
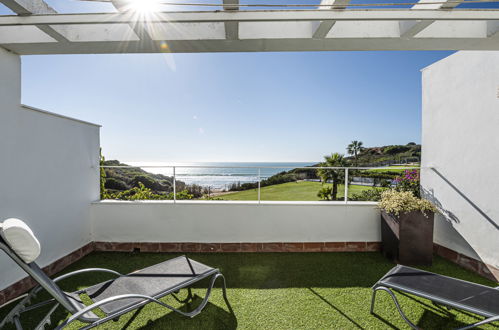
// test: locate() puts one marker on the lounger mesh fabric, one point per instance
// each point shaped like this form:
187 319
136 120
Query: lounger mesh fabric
470 295
152 281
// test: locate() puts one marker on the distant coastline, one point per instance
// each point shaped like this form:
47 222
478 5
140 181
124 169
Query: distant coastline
222 178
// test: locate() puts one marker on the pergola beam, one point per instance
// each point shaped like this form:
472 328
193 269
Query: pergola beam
139 28
259 45
325 26
411 29
255 16
493 29
289 30
30 7
408 29
231 28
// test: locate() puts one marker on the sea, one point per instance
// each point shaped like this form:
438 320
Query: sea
221 175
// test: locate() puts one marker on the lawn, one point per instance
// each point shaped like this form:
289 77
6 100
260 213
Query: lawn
291 191
279 291
392 169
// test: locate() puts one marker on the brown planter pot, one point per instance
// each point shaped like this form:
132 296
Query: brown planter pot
407 239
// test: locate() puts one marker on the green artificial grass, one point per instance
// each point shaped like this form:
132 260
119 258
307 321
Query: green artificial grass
279 291
291 191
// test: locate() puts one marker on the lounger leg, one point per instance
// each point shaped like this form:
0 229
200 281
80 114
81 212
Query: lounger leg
224 292
412 325
489 320
373 299
208 293
183 301
46 320
20 307
17 323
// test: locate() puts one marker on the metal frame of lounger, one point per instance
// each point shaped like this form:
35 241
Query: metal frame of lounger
84 313
382 285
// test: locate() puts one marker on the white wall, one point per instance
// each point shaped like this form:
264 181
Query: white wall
48 172
461 140
234 222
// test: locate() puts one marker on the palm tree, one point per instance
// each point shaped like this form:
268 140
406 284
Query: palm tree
337 176
354 149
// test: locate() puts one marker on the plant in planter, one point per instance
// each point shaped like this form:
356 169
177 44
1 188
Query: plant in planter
409 181
406 227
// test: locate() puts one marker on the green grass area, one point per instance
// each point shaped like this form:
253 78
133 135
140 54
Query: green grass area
278 291
400 169
291 191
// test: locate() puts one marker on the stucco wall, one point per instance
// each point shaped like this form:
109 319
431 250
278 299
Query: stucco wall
234 222
48 172
461 141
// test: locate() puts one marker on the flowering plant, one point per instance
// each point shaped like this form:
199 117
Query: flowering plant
399 202
409 181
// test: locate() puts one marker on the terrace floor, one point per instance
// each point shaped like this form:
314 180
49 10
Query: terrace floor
280 291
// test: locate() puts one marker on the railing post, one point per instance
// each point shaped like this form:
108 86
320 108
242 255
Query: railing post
258 185
346 184
174 186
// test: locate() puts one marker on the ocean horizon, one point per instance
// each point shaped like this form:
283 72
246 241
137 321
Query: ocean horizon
222 177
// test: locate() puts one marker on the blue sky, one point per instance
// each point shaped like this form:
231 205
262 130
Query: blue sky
232 107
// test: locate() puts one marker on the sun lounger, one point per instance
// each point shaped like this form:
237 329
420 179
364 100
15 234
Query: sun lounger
450 292
115 297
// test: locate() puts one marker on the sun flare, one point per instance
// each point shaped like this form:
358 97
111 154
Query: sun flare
144 6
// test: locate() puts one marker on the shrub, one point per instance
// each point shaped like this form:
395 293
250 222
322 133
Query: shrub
137 193
409 181
184 194
145 180
195 190
325 193
115 184
395 149
399 202
279 178
102 177
373 195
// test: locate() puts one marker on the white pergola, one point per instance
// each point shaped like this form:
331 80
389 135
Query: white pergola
428 25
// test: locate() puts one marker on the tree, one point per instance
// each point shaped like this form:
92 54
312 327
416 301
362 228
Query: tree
336 176
354 149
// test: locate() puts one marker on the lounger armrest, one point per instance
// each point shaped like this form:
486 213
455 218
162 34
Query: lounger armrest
86 270
77 272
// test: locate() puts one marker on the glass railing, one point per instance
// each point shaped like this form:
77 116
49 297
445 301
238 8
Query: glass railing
251 183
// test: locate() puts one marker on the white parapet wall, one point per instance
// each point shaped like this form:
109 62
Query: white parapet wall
49 172
225 222
461 152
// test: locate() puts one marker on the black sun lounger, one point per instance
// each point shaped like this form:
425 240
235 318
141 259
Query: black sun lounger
115 297
443 290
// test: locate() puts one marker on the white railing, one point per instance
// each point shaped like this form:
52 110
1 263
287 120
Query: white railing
174 168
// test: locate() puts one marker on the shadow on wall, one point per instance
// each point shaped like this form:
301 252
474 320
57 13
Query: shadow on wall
449 219
451 216
448 216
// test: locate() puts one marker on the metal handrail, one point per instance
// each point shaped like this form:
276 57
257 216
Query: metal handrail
256 167
259 168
